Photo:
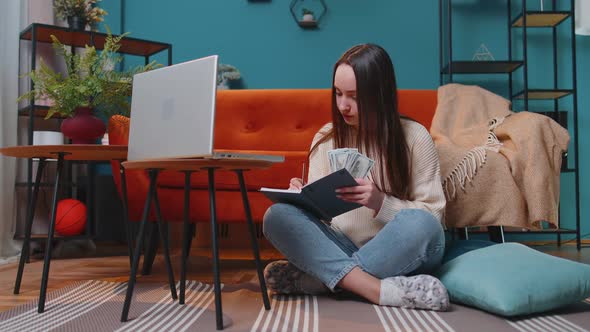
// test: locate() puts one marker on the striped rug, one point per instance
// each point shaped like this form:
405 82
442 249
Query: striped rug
96 306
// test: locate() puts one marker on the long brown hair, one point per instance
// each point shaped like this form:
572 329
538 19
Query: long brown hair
380 133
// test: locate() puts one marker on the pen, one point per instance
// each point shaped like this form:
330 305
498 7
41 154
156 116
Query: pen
303 175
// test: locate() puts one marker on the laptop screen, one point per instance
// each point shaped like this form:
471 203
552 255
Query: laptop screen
173 111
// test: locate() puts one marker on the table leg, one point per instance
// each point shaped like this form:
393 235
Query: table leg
24 255
253 240
496 233
462 233
48 246
150 249
185 234
90 201
138 243
218 309
193 234
126 212
164 240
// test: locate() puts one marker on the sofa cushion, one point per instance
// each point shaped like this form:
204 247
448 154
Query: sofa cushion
271 120
230 208
512 279
288 119
419 105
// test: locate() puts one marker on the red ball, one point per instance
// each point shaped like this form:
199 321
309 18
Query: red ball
70 218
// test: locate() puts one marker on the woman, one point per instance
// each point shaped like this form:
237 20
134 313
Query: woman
380 250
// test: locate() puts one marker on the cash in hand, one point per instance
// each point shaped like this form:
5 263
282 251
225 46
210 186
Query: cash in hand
357 164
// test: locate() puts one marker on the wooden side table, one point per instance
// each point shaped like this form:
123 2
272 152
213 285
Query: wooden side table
188 166
72 152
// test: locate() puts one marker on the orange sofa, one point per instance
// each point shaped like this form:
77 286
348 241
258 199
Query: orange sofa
281 122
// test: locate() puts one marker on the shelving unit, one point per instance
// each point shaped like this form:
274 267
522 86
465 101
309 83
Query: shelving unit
41 33
318 5
481 67
525 19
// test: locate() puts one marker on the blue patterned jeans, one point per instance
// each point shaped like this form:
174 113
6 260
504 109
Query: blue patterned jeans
412 243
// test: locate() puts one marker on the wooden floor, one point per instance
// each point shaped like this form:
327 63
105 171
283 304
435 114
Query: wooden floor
235 264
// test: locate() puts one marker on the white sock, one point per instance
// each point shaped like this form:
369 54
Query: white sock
421 291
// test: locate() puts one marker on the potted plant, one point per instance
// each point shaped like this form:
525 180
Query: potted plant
308 15
91 84
226 73
79 13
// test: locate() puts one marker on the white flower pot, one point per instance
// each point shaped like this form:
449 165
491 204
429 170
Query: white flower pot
48 138
308 18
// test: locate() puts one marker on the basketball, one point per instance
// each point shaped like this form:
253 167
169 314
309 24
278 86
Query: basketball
70 218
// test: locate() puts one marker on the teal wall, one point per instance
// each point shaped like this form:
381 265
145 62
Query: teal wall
272 51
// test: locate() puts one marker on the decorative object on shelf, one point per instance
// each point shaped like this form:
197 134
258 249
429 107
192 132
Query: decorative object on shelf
311 11
76 23
105 139
44 137
79 13
226 73
307 15
70 217
83 127
483 54
91 81
583 17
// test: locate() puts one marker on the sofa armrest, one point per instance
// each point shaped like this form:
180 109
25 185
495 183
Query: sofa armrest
137 180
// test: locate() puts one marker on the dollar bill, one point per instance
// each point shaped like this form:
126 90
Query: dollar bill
331 161
338 158
356 163
361 166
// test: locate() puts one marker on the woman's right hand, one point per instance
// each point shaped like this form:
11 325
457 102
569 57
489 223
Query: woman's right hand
295 184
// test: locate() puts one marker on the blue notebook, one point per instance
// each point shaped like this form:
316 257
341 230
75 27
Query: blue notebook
318 197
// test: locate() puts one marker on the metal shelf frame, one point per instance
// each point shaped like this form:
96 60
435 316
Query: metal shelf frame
525 20
40 33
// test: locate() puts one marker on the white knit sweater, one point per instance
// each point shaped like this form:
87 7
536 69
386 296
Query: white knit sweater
426 188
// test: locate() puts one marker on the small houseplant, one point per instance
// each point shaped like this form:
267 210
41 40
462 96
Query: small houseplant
90 84
226 73
79 13
308 15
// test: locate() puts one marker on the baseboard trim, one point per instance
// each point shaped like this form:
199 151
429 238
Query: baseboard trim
553 242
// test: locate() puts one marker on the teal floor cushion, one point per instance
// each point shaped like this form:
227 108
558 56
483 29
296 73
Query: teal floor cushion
511 279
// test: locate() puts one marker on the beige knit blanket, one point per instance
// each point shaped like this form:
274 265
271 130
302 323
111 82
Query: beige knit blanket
498 167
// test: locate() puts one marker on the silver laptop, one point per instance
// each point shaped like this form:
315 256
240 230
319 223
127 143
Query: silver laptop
173 113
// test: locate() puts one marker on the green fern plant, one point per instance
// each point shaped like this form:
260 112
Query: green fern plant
89 81
306 11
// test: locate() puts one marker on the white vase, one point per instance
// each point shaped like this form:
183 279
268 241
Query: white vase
48 138
308 18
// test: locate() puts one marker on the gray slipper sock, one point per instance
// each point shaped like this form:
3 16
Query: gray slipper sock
283 277
420 291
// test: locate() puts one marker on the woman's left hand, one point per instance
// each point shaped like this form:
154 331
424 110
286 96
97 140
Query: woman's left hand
366 193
